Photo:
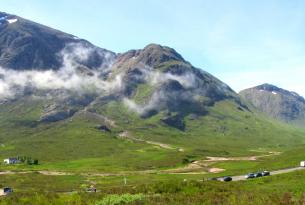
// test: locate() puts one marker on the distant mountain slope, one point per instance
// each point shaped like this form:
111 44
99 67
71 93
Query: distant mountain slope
28 45
277 103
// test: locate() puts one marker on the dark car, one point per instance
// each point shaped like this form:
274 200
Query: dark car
265 173
258 174
91 189
250 176
7 190
227 179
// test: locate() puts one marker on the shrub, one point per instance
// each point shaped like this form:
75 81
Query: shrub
121 199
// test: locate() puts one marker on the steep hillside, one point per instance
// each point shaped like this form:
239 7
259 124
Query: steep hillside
277 103
28 45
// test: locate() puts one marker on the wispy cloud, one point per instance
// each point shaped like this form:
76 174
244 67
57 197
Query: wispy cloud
68 77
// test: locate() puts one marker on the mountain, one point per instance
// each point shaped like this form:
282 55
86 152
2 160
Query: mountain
277 103
93 109
172 84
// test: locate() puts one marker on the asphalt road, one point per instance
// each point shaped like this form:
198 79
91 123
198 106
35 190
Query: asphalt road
281 171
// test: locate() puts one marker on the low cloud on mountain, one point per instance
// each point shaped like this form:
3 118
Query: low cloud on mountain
69 77
72 76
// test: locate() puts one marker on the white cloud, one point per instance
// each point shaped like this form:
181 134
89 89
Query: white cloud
67 77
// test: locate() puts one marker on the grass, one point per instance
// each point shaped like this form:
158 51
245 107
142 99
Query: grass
143 92
153 189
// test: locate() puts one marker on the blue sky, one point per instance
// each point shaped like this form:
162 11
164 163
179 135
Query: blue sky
243 43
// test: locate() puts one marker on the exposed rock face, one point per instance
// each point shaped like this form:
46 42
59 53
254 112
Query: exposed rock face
152 55
57 115
103 128
175 121
277 103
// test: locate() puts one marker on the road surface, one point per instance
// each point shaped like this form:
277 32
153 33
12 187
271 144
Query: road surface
281 171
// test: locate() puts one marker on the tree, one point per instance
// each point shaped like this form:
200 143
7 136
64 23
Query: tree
35 162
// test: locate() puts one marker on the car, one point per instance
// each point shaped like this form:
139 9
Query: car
227 179
91 189
250 176
265 173
258 174
7 190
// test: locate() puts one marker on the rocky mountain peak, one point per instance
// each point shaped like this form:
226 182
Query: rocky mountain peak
267 87
277 103
276 90
152 55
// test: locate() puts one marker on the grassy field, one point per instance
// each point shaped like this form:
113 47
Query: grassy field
153 189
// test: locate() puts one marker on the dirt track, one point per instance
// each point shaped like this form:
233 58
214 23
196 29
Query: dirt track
126 135
205 164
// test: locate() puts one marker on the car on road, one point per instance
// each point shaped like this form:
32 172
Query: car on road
227 179
250 176
258 174
91 189
265 173
5 191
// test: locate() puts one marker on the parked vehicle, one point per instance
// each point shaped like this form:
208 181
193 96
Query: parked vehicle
250 176
258 174
91 189
7 190
227 179
265 173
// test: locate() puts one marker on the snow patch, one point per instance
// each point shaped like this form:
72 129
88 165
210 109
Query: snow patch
274 93
12 20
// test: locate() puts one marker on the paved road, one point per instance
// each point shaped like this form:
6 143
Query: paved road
281 171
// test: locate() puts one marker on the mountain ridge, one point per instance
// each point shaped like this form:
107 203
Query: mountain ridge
277 103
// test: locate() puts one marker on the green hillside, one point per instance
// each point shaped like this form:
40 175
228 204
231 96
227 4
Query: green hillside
76 144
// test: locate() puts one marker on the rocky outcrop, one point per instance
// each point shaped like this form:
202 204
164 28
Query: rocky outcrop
55 116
